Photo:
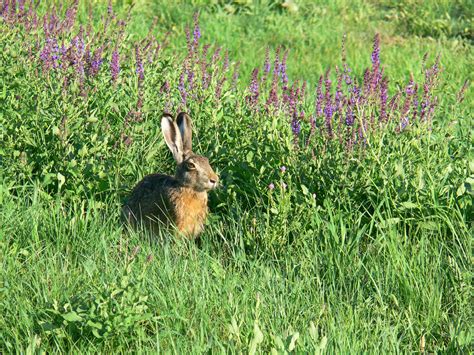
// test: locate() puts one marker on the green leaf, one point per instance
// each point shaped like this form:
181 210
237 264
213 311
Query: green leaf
72 317
313 331
461 190
305 190
249 156
61 180
94 324
257 339
294 338
408 205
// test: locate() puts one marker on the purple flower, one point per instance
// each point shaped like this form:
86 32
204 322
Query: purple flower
182 89
276 64
219 86
328 109
235 76
252 99
410 88
376 50
96 61
271 186
284 75
295 126
139 65
273 96
197 30
383 99
283 169
319 97
50 54
266 65
415 102
225 66
284 186
115 65
462 91
216 55
188 40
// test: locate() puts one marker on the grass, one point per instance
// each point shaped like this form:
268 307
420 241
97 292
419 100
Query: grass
379 260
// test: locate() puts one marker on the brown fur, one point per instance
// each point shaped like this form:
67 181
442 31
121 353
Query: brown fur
180 201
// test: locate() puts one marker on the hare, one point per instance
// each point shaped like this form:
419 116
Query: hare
161 201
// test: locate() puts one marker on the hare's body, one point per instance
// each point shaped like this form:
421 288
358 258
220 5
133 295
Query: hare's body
180 201
161 201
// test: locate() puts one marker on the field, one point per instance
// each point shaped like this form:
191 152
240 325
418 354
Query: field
342 132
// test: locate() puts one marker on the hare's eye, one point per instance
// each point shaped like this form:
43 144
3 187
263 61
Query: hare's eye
190 165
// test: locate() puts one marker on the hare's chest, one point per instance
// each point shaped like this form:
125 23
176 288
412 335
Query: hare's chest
191 212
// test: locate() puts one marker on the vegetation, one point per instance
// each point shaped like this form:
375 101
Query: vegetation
344 221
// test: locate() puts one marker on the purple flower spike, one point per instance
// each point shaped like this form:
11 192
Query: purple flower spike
319 97
376 50
383 99
462 91
182 89
252 99
266 65
139 65
96 61
284 75
115 65
197 30
295 126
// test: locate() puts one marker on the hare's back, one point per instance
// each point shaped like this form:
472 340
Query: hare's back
151 196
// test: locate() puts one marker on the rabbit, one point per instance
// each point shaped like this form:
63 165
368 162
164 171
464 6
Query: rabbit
162 201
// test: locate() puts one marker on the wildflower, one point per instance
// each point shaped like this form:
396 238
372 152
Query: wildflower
312 122
415 102
252 99
376 50
295 126
139 65
149 258
266 64
182 89
219 86
235 76
284 186
216 55
284 75
462 91
383 99
273 96
225 66
319 97
197 30
96 61
50 54
115 65
271 186
283 169
276 63
328 109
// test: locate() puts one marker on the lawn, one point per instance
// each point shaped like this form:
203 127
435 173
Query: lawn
344 219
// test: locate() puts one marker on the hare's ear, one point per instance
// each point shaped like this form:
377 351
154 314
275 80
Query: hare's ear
184 124
172 137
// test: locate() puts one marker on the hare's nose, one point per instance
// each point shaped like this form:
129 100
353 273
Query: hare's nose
213 181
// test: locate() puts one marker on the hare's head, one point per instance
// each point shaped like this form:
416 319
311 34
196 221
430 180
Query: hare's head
193 170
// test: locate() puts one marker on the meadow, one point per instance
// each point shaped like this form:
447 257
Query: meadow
342 134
